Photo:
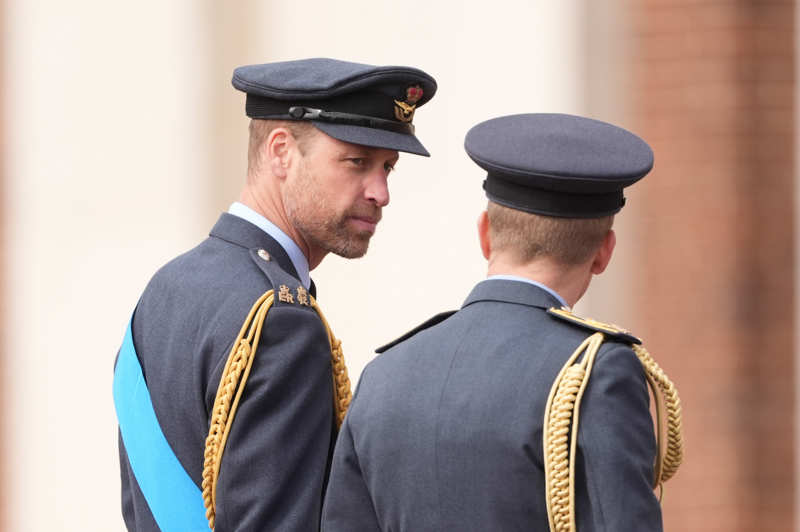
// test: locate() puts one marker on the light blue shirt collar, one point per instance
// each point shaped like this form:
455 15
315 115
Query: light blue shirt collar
530 281
299 261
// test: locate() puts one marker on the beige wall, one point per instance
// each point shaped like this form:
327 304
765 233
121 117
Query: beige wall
125 140
107 177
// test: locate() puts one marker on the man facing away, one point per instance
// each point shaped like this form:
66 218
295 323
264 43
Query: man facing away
446 428
324 136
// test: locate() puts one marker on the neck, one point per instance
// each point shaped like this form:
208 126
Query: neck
270 206
569 282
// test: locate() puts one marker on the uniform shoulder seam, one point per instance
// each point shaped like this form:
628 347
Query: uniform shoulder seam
438 318
609 329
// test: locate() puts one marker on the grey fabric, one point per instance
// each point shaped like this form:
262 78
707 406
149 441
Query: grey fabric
277 457
323 78
445 431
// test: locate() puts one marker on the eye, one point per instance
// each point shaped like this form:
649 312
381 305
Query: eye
357 161
389 167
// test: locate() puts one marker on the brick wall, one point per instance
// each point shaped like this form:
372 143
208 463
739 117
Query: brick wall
712 90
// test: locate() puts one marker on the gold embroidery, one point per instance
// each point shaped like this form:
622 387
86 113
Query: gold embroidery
284 294
302 295
404 111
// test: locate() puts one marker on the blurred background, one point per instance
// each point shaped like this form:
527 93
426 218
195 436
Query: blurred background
122 140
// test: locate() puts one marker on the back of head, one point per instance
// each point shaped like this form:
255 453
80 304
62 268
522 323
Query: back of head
524 237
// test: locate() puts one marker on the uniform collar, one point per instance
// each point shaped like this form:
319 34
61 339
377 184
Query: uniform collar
534 283
512 291
243 233
299 261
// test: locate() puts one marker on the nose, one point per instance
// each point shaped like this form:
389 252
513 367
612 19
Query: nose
377 189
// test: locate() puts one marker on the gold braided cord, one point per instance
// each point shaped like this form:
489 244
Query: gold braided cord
562 414
672 456
233 380
234 376
341 381
561 417
658 465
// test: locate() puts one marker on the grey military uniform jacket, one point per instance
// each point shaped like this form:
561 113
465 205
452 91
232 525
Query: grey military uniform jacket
445 431
277 456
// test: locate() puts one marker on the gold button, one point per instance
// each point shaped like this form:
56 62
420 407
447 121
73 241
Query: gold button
263 254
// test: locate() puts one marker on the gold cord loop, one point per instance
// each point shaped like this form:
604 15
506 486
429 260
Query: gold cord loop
341 381
671 456
560 419
233 380
562 414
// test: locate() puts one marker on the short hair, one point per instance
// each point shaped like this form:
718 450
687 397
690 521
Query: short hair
260 130
527 236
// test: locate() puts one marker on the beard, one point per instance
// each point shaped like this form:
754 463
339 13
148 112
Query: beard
311 212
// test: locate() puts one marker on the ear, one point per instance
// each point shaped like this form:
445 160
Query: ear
603 255
483 234
278 147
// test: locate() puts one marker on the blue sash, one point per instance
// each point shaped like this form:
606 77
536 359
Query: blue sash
174 499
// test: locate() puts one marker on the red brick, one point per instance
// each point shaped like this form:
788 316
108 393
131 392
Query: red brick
714 94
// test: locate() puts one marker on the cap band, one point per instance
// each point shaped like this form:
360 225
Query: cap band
307 113
361 113
551 202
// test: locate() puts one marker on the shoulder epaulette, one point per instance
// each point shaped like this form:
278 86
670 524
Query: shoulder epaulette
610 330
429 323
288 289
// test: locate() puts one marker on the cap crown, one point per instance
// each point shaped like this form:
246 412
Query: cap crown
558 164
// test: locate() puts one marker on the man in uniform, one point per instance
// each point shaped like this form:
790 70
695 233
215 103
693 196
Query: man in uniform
445 431
324 136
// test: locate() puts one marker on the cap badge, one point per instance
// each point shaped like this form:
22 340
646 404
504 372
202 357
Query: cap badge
404 111
413 94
